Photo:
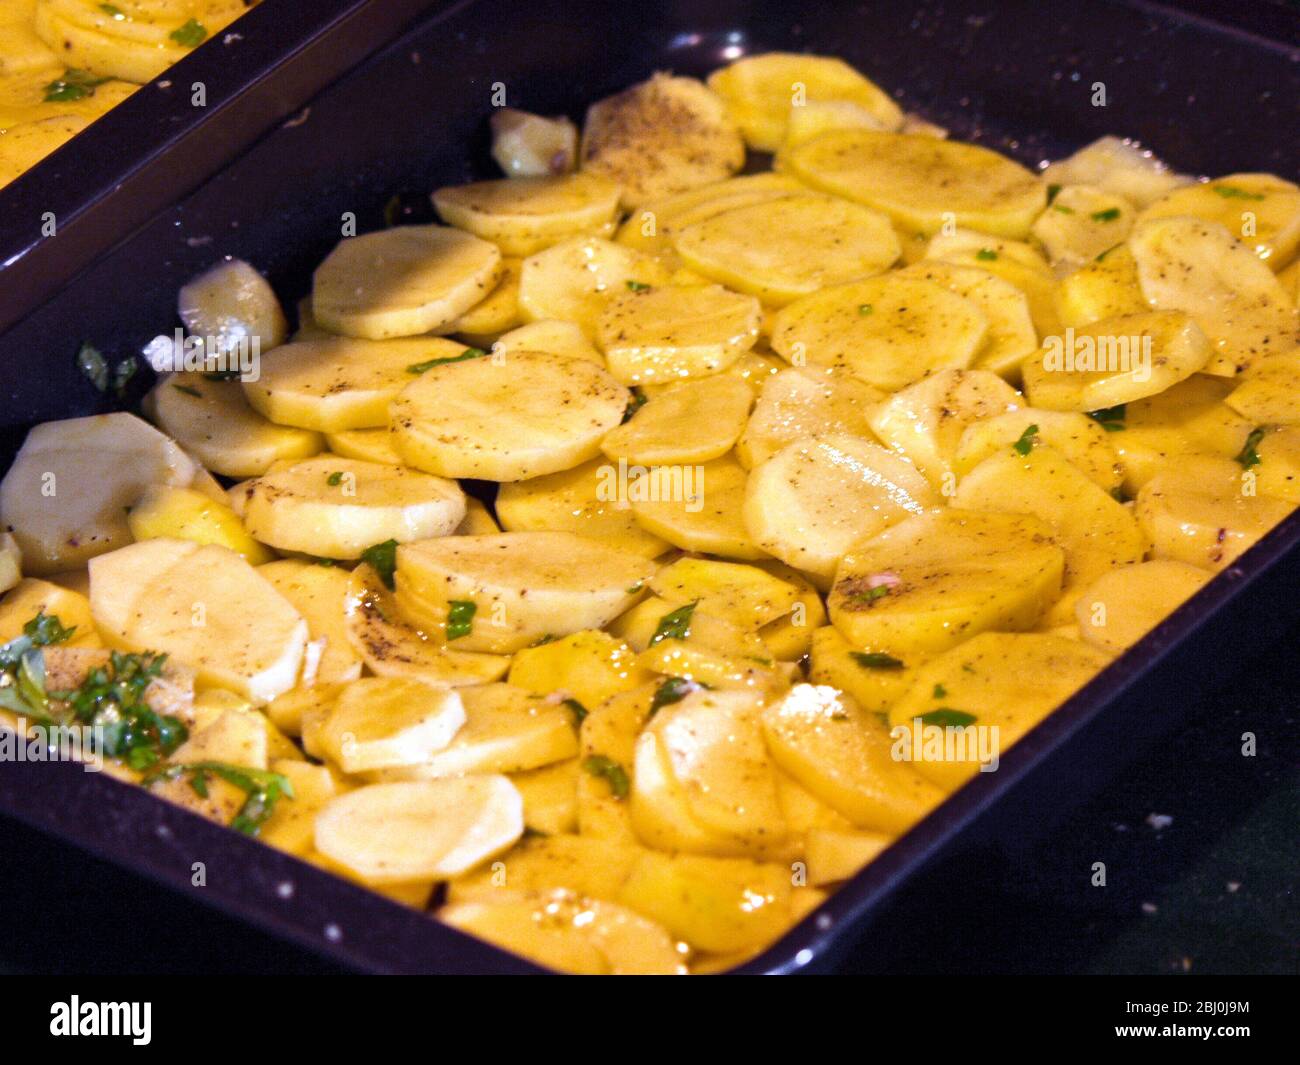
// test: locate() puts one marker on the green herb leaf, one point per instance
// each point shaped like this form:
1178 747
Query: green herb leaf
1233 192
876 660
74 85
1053 191
675 625
189 35
939 691
112 10
865 309
460 618
334 479
264 788
637 286
92 365
188 391
383 557
1028 438
1060 208
1110 418
672 690
986 255
869 595
945 717
1108 215
46 629
429 364
579 711
638 400
616 776
1102 256
1249 455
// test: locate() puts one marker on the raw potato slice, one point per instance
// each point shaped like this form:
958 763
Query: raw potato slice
1261 210
319 594
506 730
550 797
523 215
1010 335
821 116
292 825
184 514
588 666
1122 606
206 607
795 402
232 303
696 421
498 310
789 638
808 242
390 647
336 508
524 585
506 417
584 500
754 368
659 137
1015 262
1107 287
816 497
339 383
11 562
1081 222
874 679
367 445
583 865
30 597
528 145
1186 264
390 722
1198 511
746 596
945 576
608 734
423 829
1115 361
65 496
1278 470
834 855
573 280
887 331
551 336
841 754
767 93
1077 437
1005 682
922 181
924 422
712 651
587 937
1119 167
478 519
665 334
402 281
700 511
213 421
1269 393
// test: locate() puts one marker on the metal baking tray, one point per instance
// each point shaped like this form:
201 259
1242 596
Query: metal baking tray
1017 75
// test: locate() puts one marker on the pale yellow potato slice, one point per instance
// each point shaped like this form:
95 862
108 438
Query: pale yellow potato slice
817 496
550 797
1080 223
523 585
336 508
1199 267
1079 438
523 215
230 303
1260 210
478 519
552 336
766 94
336 383
921 181
506 417
403 281
214 422
1122 606
1015 262
794 403
945 576
584 500
711 651
1278 471
581 864
816 117
746 596
11 562
888 331
834 854
367 445
659 137
924 422
1119 167
1115 361
1203 511
390 722
873 677
841 754
653 335
31 596
184 514
498 311
1107 287
319 593
529 145
608 735
206 607
573 280
589 666
409 830
695 421
808 242
699 512
754 368
65 496
998 686
1269 392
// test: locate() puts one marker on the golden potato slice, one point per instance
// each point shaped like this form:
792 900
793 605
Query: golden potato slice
506 417
607 742
816 117
583 500
528 145
319 594
498 311
696 509
390 722
589 666
232 302
1119 167
551 336
1115 361
1107 287
693 422
873 678
368 445
583 865
922 181
1278 469
403 281
1269 392
184 514
746 596
887 331
659 137
795 402
1081 439
1081 222
834 855
550 795
523 215
689 644
1187 264
1122 606
573 280
1015 262
817 496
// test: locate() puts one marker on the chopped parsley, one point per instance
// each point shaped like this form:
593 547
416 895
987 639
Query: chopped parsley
123 373
1053 190
383 557
638 400
672 690
637 286
1028 438
460 618
264 788
1061 208
90 361
986 255
189 391
615 775
865 309
632 589
1234 192
946 717
1108 215
1249 455
113 11
429 364
675 625
334 479
869 595
876 660
1109 418
1102 256
190 34
74 85
579 711
939 691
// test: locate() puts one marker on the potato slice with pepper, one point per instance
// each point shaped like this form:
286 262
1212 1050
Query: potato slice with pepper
390 722
319 593
1107 287
1081 222
1015 262
695 421
573 280
1117 166
804 402
1122 606
230 303
696 508
1081 439
1269 392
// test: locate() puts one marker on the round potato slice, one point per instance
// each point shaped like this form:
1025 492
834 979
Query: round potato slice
1015 262
523 215
498 311
403 281
551 336
653 335
696 509
214 422
368 445
887 331
420 829
1079 438
807 242
506 417
1122 606
694 421
583 500
818 496
337 383
573 280
795 403
389 722
336 507
921 181
1081 222
230 303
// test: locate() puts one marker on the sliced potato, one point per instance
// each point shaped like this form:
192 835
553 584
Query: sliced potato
498 311
368 445
1269 393
232 302
184 514
707 650
834 854
699 512
1107 287
390 722
874 679
523 215
550 796
696 421
816 117
478 519
590 666
528 145
573 280
793 403
746 596
551 336
1081 222
402 281
1015 262
1122 606
1278 471
607 740
507 417
11 562
31 597
1080 439
1119 167
319 593
584 865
